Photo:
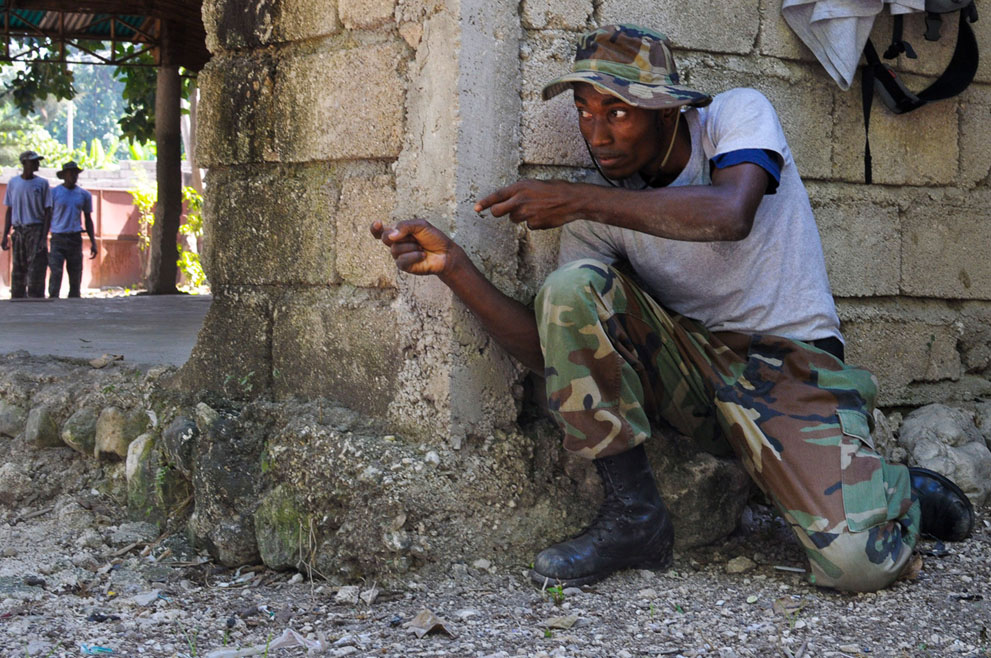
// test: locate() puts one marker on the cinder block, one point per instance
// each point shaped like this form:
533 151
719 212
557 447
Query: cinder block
944 248
777 39
918 148
550 135
975 138
366 14
362 260
234 348
235 118
547 14
903 353
341 105
234 25
549 130
730 26
270 224
861 243
341 344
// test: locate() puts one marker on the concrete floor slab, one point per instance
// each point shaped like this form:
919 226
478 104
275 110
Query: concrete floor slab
145 329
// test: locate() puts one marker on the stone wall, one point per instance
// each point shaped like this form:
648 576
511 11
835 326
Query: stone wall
319 116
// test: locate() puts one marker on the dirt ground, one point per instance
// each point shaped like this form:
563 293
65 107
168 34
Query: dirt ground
77 579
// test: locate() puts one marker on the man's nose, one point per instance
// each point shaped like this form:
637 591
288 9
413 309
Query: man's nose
599 133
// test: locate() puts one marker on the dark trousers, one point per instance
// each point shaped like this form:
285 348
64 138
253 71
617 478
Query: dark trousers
30 261
66 248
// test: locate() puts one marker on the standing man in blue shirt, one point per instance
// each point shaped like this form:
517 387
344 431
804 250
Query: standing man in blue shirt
69 202
29 212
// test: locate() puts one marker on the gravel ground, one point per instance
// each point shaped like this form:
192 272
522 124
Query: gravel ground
75 576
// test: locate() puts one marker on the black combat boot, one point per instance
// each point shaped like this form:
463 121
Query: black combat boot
632 528
947 513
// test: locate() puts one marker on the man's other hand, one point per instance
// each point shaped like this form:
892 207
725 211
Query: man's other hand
541 204
417 246
92 251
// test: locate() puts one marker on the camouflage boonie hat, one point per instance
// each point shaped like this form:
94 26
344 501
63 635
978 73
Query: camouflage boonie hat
630 62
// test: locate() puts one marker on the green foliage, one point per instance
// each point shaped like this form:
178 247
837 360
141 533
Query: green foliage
98 105
189 260
140 85
41 79
137 123
556 593
38 80
143 151
145 196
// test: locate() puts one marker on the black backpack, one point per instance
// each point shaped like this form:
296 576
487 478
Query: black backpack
879 77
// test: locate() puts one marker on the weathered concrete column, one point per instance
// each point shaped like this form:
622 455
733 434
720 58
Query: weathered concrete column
377 111
168 170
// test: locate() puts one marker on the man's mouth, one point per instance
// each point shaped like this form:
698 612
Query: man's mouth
608 159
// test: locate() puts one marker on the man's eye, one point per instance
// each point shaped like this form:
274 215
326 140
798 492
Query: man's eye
619 114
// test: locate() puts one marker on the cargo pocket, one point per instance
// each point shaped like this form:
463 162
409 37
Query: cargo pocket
865 500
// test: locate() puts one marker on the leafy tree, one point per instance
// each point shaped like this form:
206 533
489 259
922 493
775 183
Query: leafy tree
44 77
98 105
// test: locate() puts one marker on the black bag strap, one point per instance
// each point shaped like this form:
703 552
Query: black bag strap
876 76
898 43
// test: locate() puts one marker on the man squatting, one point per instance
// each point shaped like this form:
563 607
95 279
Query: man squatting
726 330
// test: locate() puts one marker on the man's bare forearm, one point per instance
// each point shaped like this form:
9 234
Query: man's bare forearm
511 324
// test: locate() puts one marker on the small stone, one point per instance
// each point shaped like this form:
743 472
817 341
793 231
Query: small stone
146 598
482 564
12 419
41 430
348 595
369 595
647 594
741 564
432 458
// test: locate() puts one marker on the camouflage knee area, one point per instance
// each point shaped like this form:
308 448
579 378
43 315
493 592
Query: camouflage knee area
593 393
862 561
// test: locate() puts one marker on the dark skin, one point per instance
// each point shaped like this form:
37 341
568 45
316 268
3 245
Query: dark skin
71 176
624 140
28 167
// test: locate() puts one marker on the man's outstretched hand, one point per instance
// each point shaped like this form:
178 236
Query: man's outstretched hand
417 246
541 204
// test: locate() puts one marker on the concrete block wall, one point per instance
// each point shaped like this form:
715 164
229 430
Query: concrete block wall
320 116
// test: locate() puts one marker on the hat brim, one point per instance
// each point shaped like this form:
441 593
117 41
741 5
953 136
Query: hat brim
61 173
637 94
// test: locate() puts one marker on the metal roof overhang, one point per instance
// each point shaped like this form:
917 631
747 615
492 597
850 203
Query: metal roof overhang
172 30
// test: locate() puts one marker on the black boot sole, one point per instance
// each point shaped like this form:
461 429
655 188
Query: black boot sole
653 563
543 581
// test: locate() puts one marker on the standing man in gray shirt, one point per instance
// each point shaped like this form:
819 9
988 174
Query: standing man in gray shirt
29 213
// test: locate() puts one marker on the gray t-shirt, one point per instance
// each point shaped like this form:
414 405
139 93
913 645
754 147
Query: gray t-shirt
27 200
772 282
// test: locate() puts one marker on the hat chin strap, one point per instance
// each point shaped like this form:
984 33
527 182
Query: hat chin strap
667 155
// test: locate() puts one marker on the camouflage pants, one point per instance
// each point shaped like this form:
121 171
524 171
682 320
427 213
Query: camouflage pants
30 261
797 417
